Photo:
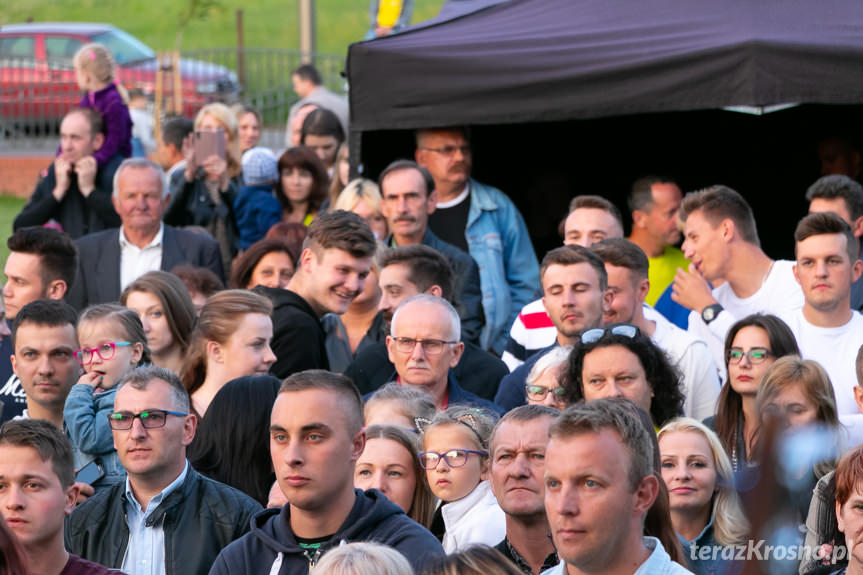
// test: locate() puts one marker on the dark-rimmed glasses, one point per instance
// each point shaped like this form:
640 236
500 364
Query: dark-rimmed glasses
105 351
594 334
453 457
538 392
755 355
430 346
150 418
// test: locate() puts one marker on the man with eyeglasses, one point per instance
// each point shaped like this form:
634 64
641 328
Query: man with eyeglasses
484 222
165 518
404 272
574 287
827 330
424 346
408 199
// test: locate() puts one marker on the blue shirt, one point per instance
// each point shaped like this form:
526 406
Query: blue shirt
145 554
658 563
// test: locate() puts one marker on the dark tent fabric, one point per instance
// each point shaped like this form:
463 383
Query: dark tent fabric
548 60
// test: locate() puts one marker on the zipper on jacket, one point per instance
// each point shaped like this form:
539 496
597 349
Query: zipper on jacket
312 556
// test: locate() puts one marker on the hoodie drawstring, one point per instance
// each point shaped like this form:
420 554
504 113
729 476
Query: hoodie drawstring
277 564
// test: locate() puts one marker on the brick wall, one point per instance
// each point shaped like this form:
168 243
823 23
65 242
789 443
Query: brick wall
19 175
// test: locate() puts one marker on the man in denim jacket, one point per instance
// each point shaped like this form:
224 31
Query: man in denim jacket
484 222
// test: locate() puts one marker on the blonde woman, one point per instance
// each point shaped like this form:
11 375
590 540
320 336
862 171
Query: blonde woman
363 559
363 197
203 195
705 508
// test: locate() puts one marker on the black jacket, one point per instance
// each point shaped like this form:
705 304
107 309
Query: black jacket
467 291
199 519
78 215
299 340
98 277
373 518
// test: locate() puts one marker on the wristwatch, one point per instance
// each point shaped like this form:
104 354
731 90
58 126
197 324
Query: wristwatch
709 313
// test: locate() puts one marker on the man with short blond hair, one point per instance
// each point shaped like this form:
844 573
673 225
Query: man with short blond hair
601 449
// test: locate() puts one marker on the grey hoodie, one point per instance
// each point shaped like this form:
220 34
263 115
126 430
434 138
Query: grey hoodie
270 548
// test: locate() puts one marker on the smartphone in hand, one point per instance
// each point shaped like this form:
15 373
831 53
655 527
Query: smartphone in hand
90 473
209 143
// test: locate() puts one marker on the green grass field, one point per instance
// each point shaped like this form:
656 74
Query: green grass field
267 23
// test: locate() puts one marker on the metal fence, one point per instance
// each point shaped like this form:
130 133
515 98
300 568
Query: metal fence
36 94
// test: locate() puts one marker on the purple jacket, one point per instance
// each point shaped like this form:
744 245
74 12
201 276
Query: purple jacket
116 121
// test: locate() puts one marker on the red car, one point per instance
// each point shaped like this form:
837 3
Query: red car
37 79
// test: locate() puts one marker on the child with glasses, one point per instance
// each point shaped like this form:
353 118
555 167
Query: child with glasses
455 458
113 343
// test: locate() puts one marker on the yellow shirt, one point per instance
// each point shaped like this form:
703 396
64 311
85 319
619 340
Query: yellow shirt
662 270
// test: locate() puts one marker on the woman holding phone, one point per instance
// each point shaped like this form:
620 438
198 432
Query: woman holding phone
203 195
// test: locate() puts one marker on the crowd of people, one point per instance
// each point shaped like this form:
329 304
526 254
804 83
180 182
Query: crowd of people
226 361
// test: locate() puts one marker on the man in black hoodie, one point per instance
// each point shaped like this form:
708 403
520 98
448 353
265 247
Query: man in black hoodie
332 271
316 437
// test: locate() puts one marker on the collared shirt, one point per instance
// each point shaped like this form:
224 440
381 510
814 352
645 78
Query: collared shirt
145 554
510 552
658 563
135 261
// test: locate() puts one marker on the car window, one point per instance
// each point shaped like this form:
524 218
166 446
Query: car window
19 51
124 47
60 49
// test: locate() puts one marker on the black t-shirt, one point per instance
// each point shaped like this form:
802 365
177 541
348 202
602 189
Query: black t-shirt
11 392
449 224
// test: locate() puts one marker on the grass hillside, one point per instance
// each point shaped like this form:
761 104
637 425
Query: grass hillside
267 23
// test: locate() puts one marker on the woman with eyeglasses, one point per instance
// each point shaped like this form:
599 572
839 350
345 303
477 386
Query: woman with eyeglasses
543 385
232 339
751 346
620 361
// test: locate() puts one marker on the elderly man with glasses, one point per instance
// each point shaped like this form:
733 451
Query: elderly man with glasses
165 519
424 346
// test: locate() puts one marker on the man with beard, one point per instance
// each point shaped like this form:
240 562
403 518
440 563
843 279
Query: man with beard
482 221
574 292
408 199
827 329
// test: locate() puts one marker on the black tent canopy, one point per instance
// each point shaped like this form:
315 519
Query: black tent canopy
583 96
545 60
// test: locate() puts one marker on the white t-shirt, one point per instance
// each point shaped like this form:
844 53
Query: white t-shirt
835 348
779 295
700 383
